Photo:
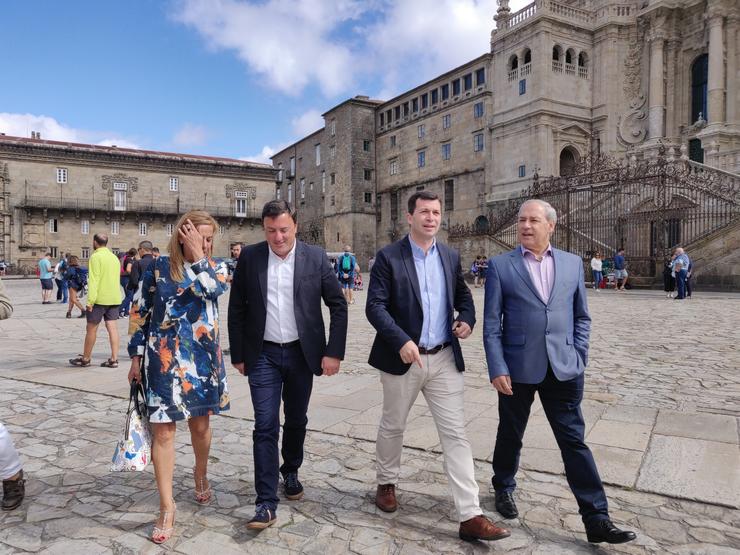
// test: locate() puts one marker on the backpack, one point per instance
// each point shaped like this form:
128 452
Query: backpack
347 263
79 279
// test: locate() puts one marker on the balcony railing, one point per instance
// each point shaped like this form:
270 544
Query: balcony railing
173 208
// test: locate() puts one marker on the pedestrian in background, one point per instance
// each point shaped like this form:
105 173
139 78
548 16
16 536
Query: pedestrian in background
669 282
620 270
59 269
596 265
76 279
175 319
126 265
46 276
680 268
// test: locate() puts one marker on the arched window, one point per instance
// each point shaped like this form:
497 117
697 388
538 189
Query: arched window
557 53
569 55
481 224
582 59
513 62
699 73
527 56
568 160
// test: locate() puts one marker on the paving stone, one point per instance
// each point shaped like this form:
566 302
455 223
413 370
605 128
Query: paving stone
624 435
710 427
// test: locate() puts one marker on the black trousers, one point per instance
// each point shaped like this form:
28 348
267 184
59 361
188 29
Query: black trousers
562 404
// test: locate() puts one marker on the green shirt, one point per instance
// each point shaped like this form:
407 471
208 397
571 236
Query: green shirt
104 278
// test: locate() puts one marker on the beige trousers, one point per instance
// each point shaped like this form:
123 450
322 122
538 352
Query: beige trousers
442 386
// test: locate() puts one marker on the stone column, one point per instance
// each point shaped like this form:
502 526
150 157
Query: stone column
732 99
656 97
716 78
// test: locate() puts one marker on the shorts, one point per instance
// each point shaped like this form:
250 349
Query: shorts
47 284
346 283
102 311
620 274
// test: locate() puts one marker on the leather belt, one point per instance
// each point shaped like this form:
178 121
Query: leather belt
433 350
283 345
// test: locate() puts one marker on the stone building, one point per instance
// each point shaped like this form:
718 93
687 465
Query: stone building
565 82
54 196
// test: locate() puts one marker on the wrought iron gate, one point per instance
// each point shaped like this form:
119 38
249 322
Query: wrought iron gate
647 207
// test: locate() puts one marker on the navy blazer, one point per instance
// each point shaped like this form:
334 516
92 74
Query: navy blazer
394 303
313 280
522 333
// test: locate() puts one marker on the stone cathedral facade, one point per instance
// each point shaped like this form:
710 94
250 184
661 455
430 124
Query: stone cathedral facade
563 81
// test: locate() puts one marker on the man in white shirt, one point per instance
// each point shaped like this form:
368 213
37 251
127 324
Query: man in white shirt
278 341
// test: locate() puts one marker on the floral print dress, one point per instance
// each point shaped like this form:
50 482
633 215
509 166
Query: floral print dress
177 324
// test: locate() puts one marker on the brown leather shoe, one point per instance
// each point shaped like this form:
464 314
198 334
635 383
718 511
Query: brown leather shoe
480 528
385 498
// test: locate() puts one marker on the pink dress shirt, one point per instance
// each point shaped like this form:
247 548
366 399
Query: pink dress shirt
541 271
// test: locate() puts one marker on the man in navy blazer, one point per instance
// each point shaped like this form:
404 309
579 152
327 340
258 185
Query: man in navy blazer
416 285
277 339
536 331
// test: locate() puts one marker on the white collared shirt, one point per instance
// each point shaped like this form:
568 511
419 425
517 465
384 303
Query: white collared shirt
280 325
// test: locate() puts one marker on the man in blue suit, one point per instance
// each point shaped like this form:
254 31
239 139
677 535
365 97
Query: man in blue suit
536 331
278 341
416 285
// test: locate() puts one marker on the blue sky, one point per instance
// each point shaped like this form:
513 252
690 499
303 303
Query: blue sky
231 78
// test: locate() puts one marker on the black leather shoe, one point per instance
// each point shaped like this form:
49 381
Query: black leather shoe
505 504
13 492
605 531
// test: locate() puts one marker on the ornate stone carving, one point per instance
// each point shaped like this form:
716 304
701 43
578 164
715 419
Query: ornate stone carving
631 127
241 186
632 124
132 182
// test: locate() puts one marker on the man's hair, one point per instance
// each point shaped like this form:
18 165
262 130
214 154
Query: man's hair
275 208
146 246
551 214
423 195
237 244
347 248
155 249
48 254
620 249
101 239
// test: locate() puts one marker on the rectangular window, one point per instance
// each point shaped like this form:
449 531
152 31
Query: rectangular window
323 182
394 206
446 151
333 179
367 174
278 193
446 121
405 109
310 186
332 200
317 149
332 151
388 116
378 207
468 81
85 252
292 166
368 198
424 100
116 251
366 145
85 227
115 228
394 166
393 141
415 105
397 112
421 158
435 96
302 188
478 142
480 77
449 195
522 170
142 229
53 225
456 87
174 184
280 172
419 188
382 119
290 192
61 175
445 91
522 87
119 200
478 110
240 207
333 127
221 230
169 229
421 131
53 251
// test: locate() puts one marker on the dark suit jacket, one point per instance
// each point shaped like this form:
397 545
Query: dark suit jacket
394 303
313 280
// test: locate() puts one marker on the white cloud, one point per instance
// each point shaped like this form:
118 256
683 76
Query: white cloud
21 125
307 123
190 135
265 154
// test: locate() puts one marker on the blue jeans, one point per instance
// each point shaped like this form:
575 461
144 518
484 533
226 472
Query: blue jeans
562 404
62 290
128 296
597 278
278 372
681 283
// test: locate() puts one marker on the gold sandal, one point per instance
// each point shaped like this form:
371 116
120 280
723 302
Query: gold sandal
162 534
203 495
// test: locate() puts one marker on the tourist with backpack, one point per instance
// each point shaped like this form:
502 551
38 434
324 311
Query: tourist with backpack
76 279
346 264
59 270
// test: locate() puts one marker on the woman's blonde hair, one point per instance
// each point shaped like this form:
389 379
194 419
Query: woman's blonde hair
174 247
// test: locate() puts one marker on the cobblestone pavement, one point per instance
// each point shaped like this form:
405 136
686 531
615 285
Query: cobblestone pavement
662 406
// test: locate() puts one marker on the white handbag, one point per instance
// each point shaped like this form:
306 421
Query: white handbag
134 449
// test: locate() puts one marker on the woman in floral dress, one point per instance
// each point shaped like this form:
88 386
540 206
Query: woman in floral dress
175 318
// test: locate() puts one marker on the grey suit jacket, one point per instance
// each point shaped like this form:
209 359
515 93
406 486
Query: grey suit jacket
522 333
